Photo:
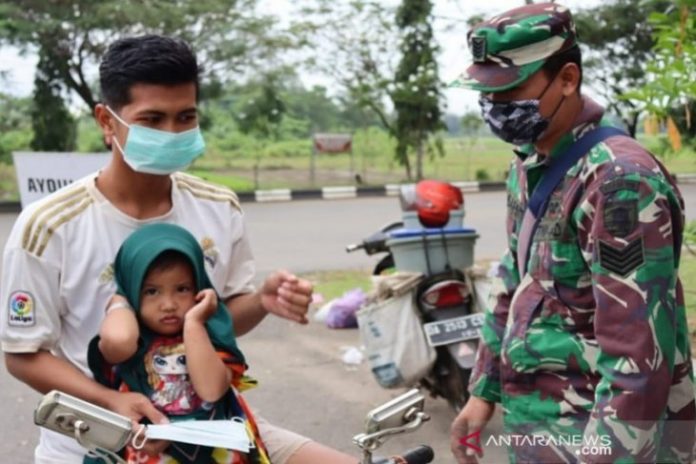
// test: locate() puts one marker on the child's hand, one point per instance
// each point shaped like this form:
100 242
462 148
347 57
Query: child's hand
206 306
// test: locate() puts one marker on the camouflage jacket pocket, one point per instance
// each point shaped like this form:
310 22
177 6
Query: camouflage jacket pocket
563 262
540 338
525 308
556 255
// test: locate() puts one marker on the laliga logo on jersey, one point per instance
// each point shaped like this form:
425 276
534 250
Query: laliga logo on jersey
21 306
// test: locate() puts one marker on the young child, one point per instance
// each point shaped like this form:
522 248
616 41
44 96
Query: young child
173 342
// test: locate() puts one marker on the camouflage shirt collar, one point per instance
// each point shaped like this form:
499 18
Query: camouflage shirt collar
591 115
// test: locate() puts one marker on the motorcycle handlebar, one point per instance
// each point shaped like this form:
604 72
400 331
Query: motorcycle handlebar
422 454
354 247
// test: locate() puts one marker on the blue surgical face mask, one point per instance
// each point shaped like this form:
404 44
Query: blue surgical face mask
159 152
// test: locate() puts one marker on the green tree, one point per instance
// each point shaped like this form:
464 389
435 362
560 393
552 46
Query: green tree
617 43
354 116
361 60
262 112
54 127
321 112
15 126
684 117
672 74
417 92
312 106
374 69
228 35
472 124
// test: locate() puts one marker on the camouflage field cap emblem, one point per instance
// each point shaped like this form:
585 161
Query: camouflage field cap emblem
478 49
507 49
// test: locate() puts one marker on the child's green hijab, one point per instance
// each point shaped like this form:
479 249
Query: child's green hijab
134 258
136 255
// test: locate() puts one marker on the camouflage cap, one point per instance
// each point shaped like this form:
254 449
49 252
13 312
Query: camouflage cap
508 48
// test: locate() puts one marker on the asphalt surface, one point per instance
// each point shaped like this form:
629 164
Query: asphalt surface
312 235
304 385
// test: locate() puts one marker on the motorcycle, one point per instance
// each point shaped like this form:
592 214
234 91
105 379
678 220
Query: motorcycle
377 243
403 414
431 239
104 433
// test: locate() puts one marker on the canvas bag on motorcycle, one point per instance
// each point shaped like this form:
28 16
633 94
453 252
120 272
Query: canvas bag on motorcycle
392 332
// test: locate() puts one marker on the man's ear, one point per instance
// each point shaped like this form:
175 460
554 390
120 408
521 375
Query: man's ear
105 121
570 78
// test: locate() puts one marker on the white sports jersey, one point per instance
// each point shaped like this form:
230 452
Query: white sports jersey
58 273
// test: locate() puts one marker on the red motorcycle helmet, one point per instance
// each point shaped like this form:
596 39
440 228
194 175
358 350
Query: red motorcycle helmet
433 200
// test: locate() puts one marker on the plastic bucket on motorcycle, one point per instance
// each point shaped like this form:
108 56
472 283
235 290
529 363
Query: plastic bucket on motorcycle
411 221
432 251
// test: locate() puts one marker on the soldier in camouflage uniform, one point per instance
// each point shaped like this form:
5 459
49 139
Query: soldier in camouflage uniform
587 336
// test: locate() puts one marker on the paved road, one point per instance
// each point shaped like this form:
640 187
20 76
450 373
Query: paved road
310 235
307 389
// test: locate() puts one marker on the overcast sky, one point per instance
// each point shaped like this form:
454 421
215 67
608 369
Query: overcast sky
452 60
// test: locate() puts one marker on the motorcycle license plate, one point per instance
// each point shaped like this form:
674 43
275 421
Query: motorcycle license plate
454 330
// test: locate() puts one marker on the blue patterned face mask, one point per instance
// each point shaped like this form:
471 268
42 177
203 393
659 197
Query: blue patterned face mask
516 122
519 121
159 152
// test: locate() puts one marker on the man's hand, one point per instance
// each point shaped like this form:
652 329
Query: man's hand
134 406
286 295
137 406
206 306
472 418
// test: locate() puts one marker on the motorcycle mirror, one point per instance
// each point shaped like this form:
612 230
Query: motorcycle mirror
93 427
395 413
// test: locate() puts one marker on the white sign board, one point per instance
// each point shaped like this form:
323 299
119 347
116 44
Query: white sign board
40 174
333 143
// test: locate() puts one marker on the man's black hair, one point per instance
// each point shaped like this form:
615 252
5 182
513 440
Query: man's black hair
147 59
554 64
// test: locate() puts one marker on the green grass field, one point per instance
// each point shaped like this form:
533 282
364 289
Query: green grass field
332 284
286 164
687 272
464 159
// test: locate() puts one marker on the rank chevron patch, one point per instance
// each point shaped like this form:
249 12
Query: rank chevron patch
621 261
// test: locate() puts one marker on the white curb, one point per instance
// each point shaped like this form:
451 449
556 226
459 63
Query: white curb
273 195
334 193
392 190
467 187
686 178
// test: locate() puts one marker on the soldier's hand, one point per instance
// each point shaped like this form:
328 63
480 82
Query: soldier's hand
464 440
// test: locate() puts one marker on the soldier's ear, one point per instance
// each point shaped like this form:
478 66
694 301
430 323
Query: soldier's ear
570 78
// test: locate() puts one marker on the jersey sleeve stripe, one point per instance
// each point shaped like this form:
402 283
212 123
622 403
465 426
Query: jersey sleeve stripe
58 202
49 222
206 190
51 228
226 197
204 185
43 220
